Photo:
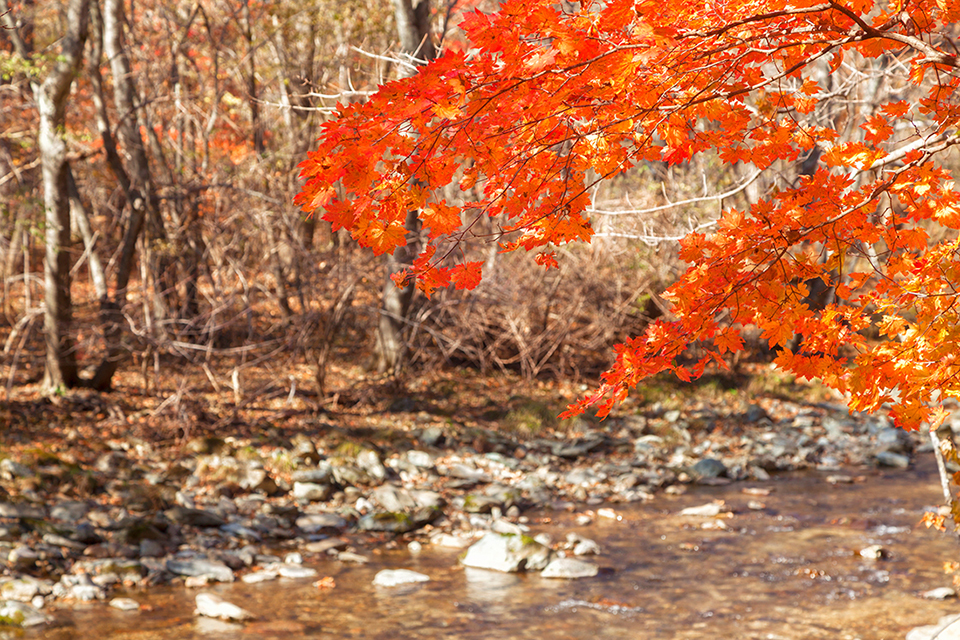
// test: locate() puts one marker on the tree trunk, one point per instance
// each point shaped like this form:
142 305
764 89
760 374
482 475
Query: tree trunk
413 28
51 96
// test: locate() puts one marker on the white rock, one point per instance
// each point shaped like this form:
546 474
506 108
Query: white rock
450 541
940 593
586 547
213 606
708 510
22 614
507 553
569 568
947 628
310 491
295 571
125 604
395 577
259 576
873 552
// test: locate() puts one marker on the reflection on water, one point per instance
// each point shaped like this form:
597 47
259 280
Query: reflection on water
791 570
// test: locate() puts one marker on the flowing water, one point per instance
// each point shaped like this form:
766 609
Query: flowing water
791 570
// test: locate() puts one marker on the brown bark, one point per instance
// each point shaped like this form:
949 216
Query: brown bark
413 28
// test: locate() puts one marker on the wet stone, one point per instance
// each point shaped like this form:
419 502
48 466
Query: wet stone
311 491
324 546
213 606
320 475
947 628
194 517
10 469
393 498
196 567
396 577
708 468
570 569
71 511
891 459
321 522
125 604
21 614
507 553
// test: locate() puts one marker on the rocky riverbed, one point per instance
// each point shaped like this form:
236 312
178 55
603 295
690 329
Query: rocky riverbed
224 509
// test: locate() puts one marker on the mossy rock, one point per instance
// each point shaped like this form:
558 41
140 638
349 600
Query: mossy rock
531 417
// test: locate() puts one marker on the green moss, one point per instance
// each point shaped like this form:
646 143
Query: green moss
530 417
349 450
16 620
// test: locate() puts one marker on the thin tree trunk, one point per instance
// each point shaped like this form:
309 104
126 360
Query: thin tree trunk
413 28
51 96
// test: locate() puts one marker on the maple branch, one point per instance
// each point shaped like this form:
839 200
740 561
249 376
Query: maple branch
933 55
921 144
680 203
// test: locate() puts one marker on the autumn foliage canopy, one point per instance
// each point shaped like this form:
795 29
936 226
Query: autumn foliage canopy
546 103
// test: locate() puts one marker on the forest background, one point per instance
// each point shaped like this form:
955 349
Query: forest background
182 275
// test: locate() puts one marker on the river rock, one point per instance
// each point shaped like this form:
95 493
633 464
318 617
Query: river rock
369 461
321 523
708 510
320 475
311 491
194 517
396 577
22 557
24 588
474 503
22 615
507 553
393 498
419 459
399 522
449 541
325 546
947 628
201 568
80 587
462 471
69 511
350 475
891 459
10 469
569 568
707 468
873 552
586 547
213 606
125 604
259 576
295 571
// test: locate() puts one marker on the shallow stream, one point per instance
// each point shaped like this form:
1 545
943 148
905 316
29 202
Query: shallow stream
791 570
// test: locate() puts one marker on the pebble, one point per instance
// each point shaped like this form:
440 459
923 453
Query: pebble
569 568
213 606
940 593
709 510
125 604
873 552
396 577
24 615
